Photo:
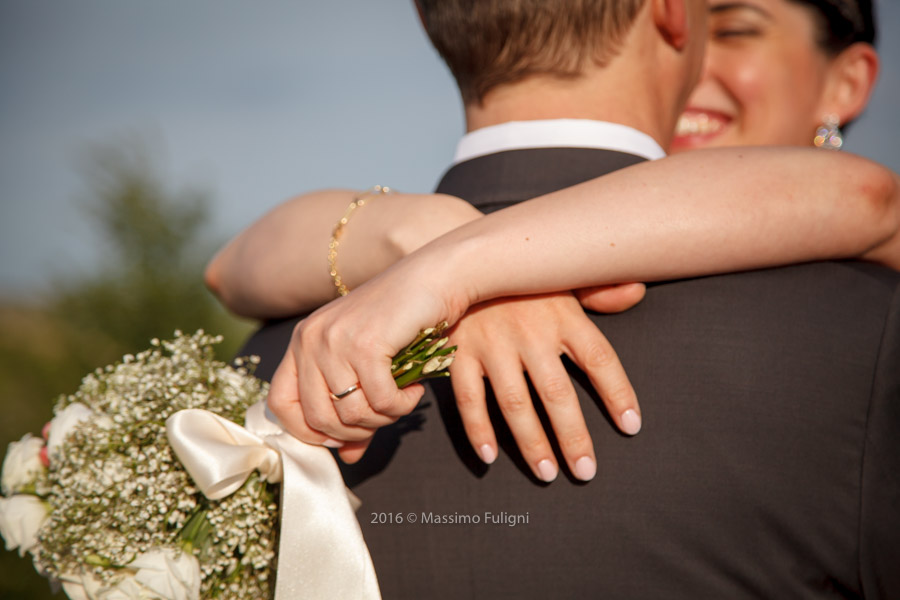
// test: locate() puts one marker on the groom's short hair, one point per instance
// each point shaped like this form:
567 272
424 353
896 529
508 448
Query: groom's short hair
487 43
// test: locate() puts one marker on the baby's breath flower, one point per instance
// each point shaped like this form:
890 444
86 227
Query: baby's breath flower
116 513
116 491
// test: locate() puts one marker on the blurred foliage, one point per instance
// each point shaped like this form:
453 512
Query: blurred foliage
149 284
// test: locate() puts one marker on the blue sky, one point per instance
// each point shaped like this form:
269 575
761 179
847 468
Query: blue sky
252 101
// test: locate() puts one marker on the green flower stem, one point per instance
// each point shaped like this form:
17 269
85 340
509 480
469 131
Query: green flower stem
426 357
196 531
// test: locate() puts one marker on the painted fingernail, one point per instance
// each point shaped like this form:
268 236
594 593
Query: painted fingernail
547 471
631 422
585 468
488 454
333 444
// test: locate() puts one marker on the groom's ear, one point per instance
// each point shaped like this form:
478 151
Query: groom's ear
671 20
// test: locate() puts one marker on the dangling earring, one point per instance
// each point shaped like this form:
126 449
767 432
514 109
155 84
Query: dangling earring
829 135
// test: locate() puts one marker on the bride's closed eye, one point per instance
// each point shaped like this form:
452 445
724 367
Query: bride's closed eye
737 20
724 33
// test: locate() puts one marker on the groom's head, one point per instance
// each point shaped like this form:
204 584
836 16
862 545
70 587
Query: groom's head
525 59
487 43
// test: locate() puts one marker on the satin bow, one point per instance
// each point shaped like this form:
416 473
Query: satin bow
322 553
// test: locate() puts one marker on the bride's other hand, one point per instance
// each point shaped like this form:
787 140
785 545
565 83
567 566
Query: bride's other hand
501 340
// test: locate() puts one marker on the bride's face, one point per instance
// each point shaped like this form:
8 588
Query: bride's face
763 78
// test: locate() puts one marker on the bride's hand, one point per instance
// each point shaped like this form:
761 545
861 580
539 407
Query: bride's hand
350 342
503 338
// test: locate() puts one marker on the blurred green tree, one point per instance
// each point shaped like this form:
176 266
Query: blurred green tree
148 284
151 280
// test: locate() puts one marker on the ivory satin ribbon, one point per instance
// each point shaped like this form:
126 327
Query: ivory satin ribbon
322 553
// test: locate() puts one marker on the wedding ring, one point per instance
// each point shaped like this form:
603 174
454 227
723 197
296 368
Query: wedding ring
346 392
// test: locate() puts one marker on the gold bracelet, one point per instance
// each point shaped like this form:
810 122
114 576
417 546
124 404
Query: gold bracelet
338 231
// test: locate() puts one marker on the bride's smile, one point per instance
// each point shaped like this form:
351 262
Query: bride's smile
770 75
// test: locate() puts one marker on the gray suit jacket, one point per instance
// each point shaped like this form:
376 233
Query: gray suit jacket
768 465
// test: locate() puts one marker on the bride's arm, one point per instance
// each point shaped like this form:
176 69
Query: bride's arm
692 214
277 267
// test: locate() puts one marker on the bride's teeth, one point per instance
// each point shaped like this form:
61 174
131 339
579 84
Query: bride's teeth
697 124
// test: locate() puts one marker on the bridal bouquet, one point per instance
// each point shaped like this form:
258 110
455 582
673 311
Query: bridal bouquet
106 508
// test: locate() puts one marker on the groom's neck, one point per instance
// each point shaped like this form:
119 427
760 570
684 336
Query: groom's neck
644 87
627 103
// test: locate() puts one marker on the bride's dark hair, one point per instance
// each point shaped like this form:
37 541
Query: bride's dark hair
842 23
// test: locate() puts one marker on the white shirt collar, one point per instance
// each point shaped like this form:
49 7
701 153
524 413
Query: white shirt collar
557 133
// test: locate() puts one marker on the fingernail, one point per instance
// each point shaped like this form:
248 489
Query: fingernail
585 468
488 455
333 444
547 471
631 422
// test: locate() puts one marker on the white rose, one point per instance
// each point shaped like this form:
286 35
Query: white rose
80 587
21 517
22 465
154 575
64 422
126 589
176 577
157 574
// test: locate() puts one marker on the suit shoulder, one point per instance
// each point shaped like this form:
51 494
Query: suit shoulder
876 274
